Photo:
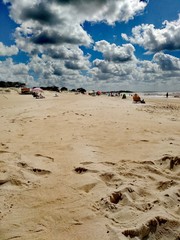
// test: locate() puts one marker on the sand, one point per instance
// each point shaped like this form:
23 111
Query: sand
80 167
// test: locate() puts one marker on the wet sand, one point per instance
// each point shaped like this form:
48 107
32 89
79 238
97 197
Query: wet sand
80 167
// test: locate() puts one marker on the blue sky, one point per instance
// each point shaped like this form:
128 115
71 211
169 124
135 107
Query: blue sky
97 44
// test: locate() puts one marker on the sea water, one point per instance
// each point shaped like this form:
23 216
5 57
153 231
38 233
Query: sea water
160 94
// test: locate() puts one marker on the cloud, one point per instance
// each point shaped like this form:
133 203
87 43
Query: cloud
64 52
57 71
8 51
74 65
112 52
161 72
10 71
104 75
119 63
108 70
41 39
52 31
149 67
40 13
54 37
56 22
104 10
167 62
134 75
155 40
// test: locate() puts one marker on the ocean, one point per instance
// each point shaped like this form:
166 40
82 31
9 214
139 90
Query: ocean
160 94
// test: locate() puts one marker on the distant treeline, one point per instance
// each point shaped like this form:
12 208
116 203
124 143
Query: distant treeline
4 84
11 84
117 92
53 88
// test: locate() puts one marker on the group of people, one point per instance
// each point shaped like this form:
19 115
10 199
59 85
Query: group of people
37 95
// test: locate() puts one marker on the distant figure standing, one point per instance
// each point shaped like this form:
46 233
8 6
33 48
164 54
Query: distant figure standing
167 94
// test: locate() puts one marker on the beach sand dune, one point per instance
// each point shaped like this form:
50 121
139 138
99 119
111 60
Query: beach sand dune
80 167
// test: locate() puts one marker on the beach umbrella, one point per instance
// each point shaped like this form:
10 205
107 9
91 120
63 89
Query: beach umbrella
37 89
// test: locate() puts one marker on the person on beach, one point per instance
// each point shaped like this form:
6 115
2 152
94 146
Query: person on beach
167 95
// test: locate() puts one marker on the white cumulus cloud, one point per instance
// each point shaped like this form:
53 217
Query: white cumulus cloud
167 62
8 51
112 52
154 40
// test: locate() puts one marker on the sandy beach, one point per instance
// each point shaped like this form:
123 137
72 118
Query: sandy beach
77 167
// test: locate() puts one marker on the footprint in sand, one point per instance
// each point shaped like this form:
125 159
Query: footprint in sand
4 151
163 185
144 140
3 181
169 161
40 155
12 181
88 187
116 197
37 171
111 179
157 226
86 163
40 171
107 177
108 163
81 170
